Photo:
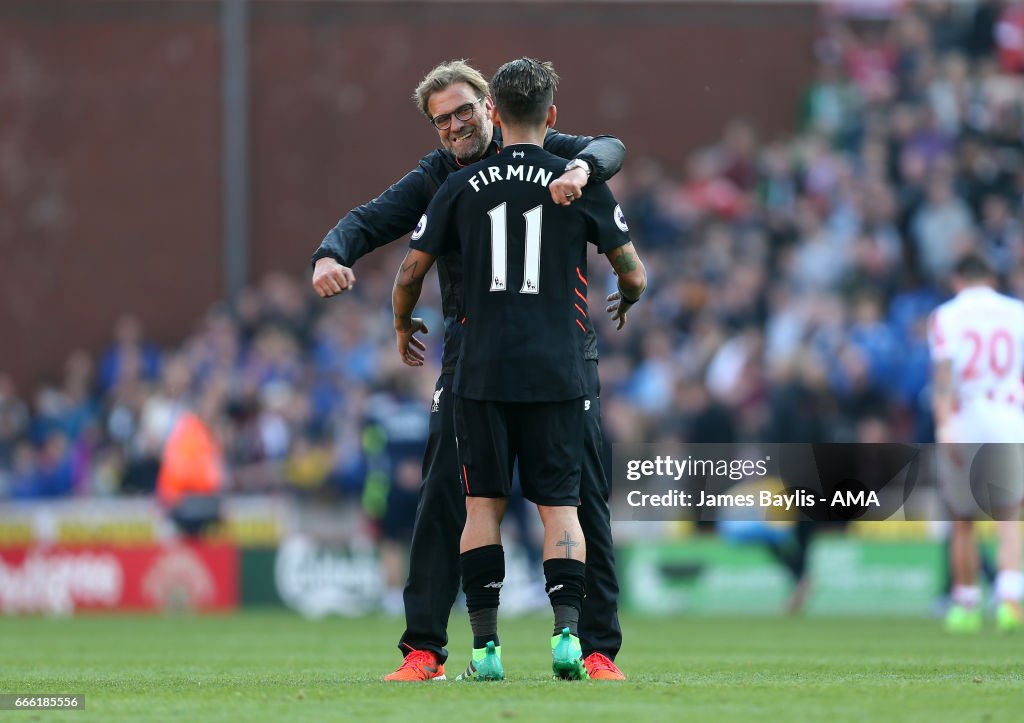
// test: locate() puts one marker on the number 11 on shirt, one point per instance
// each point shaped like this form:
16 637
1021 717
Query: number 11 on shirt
499 249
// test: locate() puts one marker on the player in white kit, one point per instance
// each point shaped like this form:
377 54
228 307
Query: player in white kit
976 341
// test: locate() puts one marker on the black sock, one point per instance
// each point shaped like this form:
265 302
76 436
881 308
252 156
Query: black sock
566 616
483 574
564 583
484 623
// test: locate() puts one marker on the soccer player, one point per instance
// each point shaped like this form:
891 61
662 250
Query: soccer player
520 383
455 99
977 346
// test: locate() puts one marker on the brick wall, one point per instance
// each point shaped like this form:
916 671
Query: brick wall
110 129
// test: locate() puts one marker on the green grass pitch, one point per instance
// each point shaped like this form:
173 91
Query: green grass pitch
274 666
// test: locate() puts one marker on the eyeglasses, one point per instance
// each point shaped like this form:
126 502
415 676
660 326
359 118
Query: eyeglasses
463 113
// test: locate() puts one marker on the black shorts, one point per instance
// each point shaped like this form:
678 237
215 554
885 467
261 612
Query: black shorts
546 437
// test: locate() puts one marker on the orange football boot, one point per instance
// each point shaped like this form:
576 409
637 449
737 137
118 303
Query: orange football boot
418 665
601 667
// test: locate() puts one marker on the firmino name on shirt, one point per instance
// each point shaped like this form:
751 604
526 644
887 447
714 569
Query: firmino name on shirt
493 174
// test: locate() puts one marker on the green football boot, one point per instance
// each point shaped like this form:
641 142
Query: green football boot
485 664
1008 618
567 657
962 619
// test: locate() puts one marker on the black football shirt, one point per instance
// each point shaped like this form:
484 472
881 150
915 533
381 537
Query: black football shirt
525 272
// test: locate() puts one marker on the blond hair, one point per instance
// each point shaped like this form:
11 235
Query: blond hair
445 75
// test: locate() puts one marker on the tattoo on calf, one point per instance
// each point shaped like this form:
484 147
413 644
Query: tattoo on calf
568 543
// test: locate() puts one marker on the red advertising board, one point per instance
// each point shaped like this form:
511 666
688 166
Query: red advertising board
62 579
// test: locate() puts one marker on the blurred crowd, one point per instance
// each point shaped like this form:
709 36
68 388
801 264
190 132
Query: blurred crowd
793 276
790 283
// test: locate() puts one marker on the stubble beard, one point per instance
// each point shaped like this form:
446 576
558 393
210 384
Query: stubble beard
480 142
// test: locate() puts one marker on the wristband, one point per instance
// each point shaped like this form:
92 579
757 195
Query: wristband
627 299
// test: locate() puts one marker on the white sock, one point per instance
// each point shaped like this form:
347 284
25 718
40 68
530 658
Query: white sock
967 595
1009 586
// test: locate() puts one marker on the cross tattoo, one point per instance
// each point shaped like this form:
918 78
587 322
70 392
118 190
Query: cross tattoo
568 543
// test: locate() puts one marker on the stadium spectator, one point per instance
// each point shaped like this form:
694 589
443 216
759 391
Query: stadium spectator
129 356
941 227
14 419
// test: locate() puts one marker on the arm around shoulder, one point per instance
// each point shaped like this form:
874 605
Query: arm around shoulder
603 154
386 218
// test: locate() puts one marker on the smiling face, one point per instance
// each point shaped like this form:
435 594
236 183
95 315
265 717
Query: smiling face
467 140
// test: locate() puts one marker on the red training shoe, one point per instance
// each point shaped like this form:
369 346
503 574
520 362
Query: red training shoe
419 665
601 667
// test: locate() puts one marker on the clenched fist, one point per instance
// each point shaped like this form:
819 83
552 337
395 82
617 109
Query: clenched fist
331 278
